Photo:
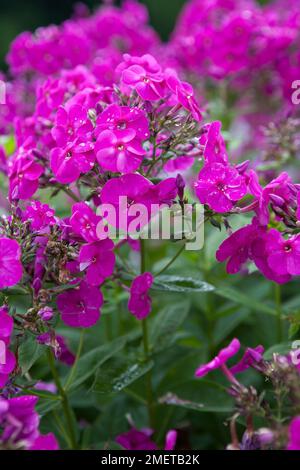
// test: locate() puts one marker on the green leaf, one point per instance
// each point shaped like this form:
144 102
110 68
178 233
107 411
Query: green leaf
281 348
91 361
165 325
238 297
118 373
174 400
29 352
180 284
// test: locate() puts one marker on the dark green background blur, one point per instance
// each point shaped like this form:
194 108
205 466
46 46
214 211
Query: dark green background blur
19 15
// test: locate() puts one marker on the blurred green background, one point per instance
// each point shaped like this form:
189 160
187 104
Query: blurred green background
19 15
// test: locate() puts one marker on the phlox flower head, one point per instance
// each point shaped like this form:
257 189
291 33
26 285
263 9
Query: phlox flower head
80 307
220 360
140 302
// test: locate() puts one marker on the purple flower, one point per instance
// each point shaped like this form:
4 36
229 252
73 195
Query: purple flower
69 162
294 434
71 124
250 357
8 366
137 440
237 248
6 324
184 93
260 251
65 354
138 190
98 260
140 302
284 254
20 425
171 439
84 221
10 264
220 360
220 187
80 307
119 118
46 442
46 313
119 151
145 77
40 215
48 387
278 192
214 145
24 176
19 420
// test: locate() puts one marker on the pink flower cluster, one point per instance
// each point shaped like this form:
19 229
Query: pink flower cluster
237 38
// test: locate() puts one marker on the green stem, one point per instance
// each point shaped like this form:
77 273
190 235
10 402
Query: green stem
277 294
64 398
70 193
171 261
149 390
75 365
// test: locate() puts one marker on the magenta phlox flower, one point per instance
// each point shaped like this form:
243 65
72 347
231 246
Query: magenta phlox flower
220 360
10 262
220 187
39 215
237 248
135 439
214 148
278 192
80 307
139 191
98 261
119 151
294 434
145 76
71 124
140 302
24 174
251 356
119 118
184 93
84 221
